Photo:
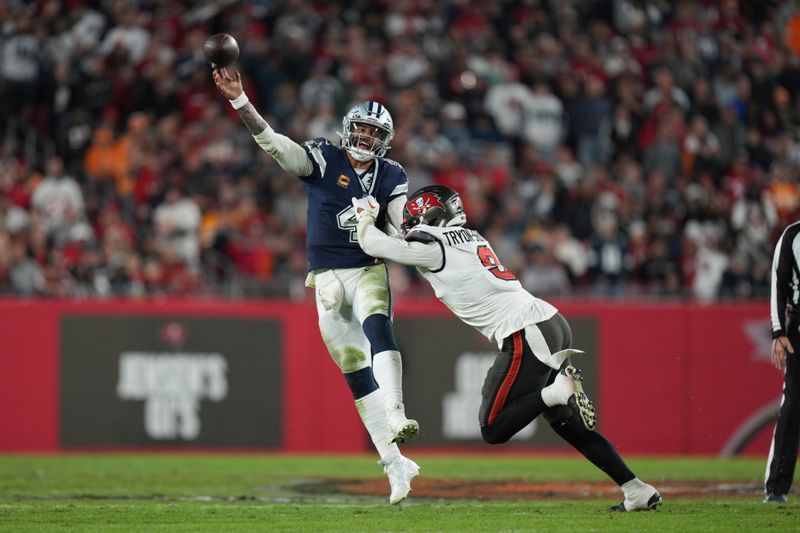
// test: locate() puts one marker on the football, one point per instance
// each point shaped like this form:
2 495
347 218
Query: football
221 50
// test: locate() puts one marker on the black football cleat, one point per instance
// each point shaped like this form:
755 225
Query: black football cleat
772 497
578 401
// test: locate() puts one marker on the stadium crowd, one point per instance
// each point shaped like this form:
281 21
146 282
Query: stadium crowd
611 148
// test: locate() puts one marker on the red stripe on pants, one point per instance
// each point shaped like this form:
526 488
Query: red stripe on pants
513 371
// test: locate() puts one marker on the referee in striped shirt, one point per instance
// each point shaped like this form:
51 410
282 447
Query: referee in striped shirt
785 300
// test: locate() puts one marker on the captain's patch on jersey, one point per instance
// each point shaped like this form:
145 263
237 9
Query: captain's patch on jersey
343 181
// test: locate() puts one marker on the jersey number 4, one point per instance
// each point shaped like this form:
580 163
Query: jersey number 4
346 220
490 261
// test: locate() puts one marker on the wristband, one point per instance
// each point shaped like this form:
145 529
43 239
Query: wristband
240 101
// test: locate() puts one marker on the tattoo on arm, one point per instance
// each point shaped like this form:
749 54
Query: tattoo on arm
254 122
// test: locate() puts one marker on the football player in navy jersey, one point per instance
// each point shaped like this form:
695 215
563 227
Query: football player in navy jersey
352 288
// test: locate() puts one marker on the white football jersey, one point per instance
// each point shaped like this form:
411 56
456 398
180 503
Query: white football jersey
476 287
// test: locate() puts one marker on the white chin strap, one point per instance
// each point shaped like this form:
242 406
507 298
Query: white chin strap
359 155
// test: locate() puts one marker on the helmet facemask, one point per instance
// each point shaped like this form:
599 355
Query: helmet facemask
367 130
365 141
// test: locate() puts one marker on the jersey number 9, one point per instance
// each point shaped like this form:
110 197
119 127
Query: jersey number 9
490 261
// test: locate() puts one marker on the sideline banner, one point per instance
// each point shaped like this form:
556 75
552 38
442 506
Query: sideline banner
170 380
669 378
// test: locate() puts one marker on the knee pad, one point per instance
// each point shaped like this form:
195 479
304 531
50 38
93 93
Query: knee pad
346 343
361 382
378 329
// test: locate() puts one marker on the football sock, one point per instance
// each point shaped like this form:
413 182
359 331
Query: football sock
630 488
391 455
361 382
558 392
387 366
372 410
595 448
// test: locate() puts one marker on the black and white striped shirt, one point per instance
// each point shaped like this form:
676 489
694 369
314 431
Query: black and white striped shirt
785 289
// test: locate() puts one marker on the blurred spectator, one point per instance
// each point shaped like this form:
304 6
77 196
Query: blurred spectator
664 153
454 127
619 134
784 189
608 247
542 274
177 221
731 135
21 64
586 117
701 149
622 148
753 220
665 91
322 89
58 201
106 160
428 146
659 271
325 123
127 39
544 116
508 102
27 277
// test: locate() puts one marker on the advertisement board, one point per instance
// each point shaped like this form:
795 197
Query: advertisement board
667 379
170 380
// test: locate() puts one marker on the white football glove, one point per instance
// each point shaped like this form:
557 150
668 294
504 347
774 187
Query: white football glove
366 207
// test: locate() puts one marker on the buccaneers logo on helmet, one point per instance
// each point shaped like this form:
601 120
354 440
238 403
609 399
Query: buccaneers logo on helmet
422 203
434 205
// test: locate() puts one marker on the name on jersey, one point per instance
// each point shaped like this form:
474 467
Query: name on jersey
460 236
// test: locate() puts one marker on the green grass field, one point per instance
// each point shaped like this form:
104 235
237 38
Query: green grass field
293 493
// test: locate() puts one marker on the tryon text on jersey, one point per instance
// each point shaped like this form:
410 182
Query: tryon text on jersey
460 236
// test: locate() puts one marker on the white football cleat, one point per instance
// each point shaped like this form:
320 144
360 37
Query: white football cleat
578 401
646 499
400 471
401 428
567 389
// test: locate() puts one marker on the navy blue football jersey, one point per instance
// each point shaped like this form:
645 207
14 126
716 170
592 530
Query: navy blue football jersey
332 239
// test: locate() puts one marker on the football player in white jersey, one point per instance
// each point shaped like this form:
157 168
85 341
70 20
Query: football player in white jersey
352 288
532 374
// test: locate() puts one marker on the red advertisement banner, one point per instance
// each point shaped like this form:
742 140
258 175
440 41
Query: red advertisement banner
671 378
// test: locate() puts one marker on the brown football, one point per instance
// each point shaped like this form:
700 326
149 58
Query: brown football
221 50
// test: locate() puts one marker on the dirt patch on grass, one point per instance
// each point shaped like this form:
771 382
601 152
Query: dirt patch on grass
521 490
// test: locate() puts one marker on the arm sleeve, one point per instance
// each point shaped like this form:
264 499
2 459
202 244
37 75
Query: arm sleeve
781 275
377 244
289 155
394 212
